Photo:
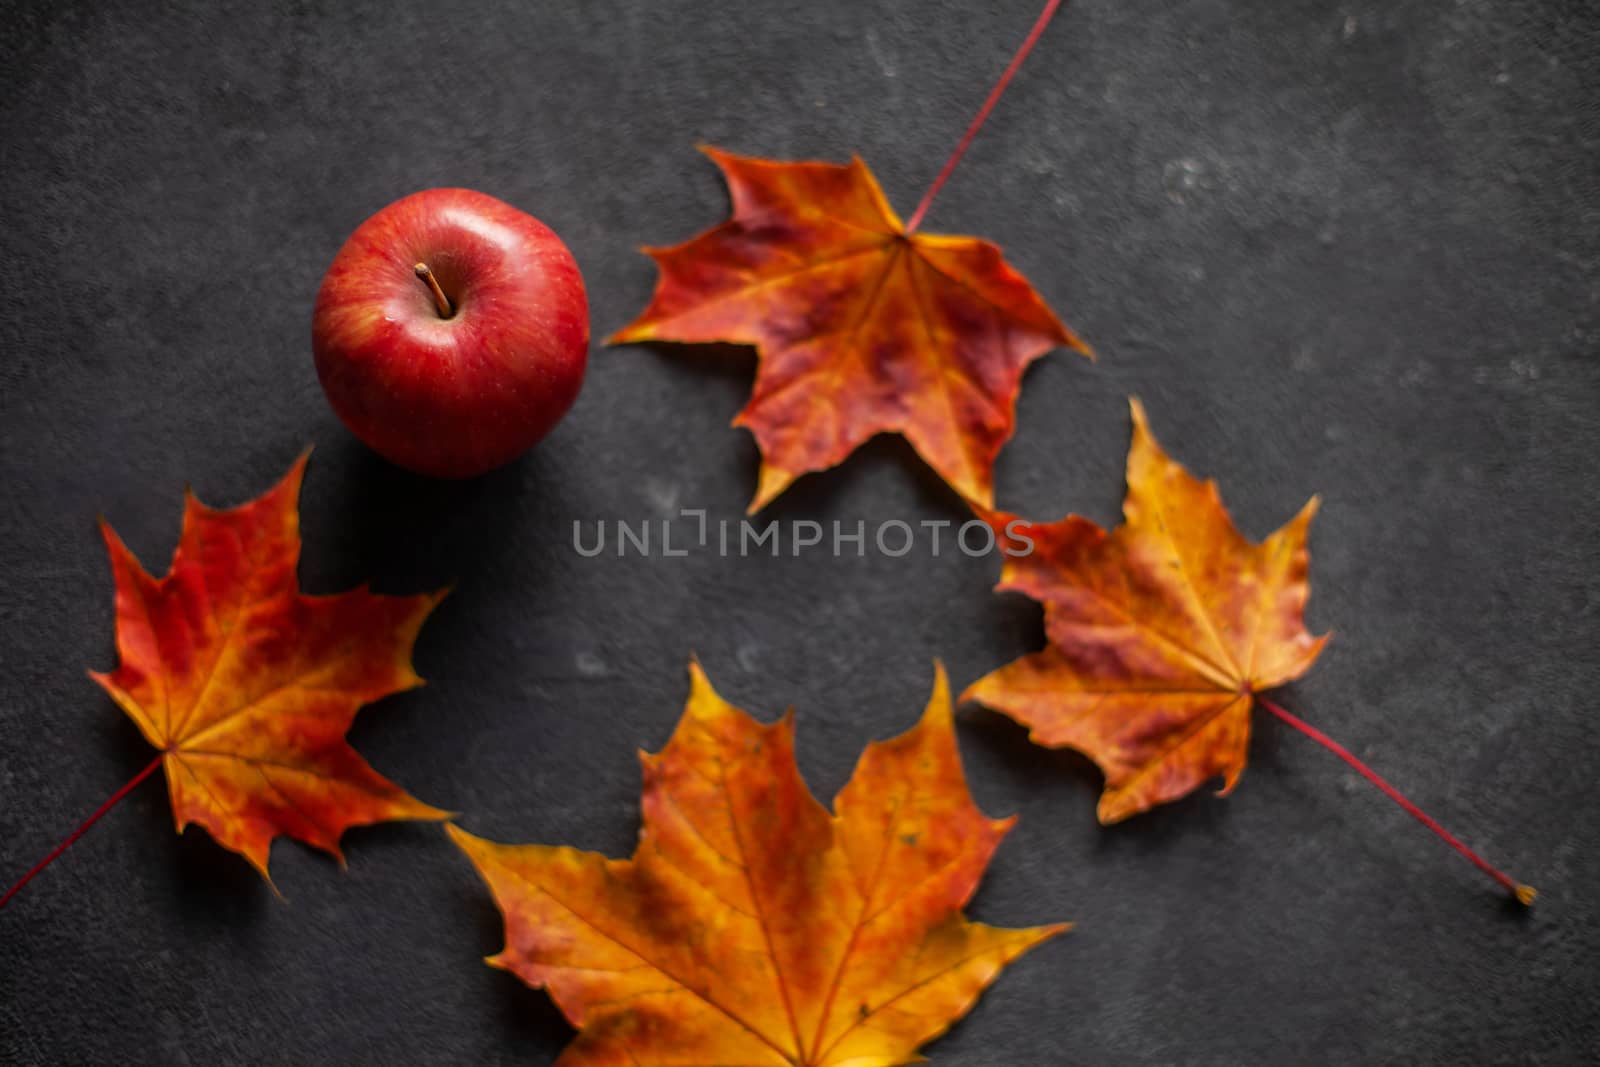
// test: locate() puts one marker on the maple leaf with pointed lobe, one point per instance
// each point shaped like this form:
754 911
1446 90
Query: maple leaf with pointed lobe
1160 633
860 326
752 926
247 686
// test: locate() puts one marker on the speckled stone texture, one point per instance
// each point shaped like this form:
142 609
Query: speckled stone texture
1347 249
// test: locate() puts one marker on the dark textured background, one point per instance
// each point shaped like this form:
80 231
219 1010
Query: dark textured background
1348 249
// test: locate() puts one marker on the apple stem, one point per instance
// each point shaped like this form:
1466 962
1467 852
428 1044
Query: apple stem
1523 893
440 301
83 826
1049 12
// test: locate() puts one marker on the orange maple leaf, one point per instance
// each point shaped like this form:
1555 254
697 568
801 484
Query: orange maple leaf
247 686
752 926
1160 633
861 326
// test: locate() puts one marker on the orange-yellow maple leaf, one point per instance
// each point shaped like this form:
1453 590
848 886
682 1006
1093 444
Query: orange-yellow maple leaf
861 326
752 926
247 686
1160 633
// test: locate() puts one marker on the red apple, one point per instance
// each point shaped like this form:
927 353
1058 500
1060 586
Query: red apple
451 332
